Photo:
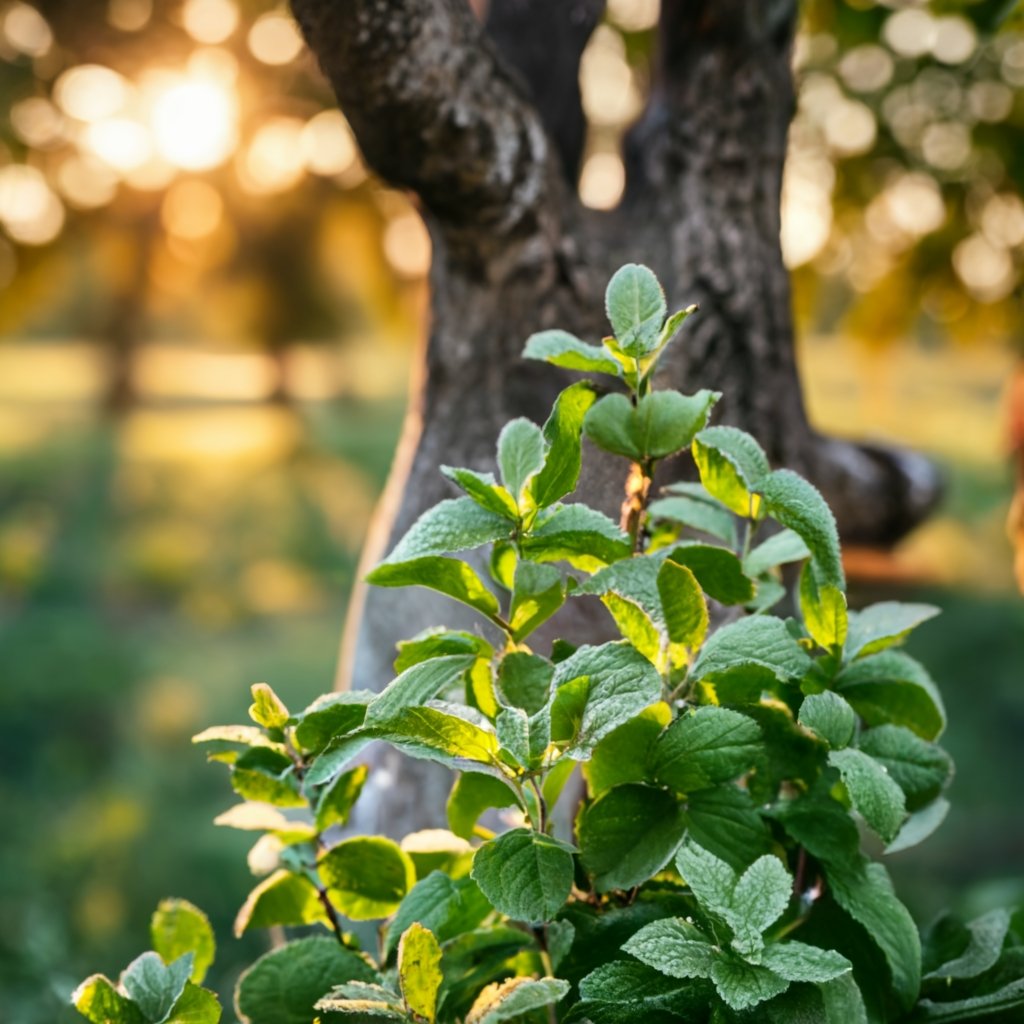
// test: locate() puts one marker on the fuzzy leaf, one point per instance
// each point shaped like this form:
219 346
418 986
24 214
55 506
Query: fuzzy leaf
579 535
724 819
448 576
636 309
742 984
521 451
872 791
796 961
759 899
457 524
710 746
563 349
755 641
673 947
709 877
830 717
732 467
362 1003
920 769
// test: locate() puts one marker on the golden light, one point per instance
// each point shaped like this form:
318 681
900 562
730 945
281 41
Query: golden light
955 39
602 181
129 15
867 68
86 182
1002 220
8 263
634 15
946 145
213 63
610 93
273 161
152 176
990 101
29 209
911 32
91 92
195 123
327 144
807 185
407 245
26 30
37 122
275 39
192 210
985 269
914 203
209 21
850 129
119 142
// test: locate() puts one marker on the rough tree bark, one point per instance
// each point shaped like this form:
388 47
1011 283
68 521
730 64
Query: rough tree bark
483 123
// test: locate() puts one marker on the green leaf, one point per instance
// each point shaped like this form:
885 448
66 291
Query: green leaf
268 776
623 755
513 729
524 681
985 938
636 309
718 571
521 452
282 898
267 708
585 538
436 643
484 490
892 687
673 947
154 986
195 1006
742 985
367 877
98 1001
920 825
337 800
796 961
471 795
247 735
920 769
755 641
660 424
514 999
538 592
449 576
724 819
711 880
831 717
526 875
615 681
283 986
563 349
419 971
824 611
779 549
334 714
874 794
995 1005
447 907
334 757
883 625
732 466
759 899
628 835
563 432
704 516
842 1001
436 734
624 992
416 685
457 524
177 928
798 505
707 747
362 1003
683 606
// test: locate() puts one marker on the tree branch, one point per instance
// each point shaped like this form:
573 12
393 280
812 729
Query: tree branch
435 111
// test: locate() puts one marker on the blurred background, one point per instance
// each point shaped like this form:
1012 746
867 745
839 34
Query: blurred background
208 315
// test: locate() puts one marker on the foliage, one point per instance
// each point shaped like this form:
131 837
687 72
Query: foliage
735 778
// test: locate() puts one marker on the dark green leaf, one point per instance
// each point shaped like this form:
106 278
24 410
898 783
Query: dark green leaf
524 681
563 431
636 309
660 424
704 516
367 877
436 643
920 769
878 798
457 524
525 874
796 961
579 535
985 937
334 714
756 641
624 992
447 907
830 717
449 576
563 349
471 795
337 800
725 820
883 625
707 747
624 754
742 984
718 571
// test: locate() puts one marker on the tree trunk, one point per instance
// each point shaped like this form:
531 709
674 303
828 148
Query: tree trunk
467 122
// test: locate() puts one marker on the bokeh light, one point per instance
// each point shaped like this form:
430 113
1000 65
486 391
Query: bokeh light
195 123
275 39
91 92
30 211
210 21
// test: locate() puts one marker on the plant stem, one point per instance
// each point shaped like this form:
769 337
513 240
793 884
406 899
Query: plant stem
634 508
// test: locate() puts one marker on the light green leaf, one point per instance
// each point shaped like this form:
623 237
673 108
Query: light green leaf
704 516
563 432
796 961
779 549
195 1006
456 524
521 452
447 907
331 715
419 971
660 424
732 466
920 769
673 323
177 927
624 754
759 899
367 877
525 874
155 986
282 898
247 735
267 708
616 682
283 986
437 734
831 717
683 607
872 791
484 490
707 747
514 999
513 730
636 309
585 538
798 505
268 776
563 349
416 685
891 687
471 795
674 947
98 1001
628 835
711 880
824 611
436 643
538 592
718 571
920 825
742 985
756 641
884 625
338 799
449 576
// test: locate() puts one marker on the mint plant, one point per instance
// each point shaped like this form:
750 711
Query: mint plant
737 781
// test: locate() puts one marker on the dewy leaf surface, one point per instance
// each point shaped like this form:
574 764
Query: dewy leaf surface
878 798
456 524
